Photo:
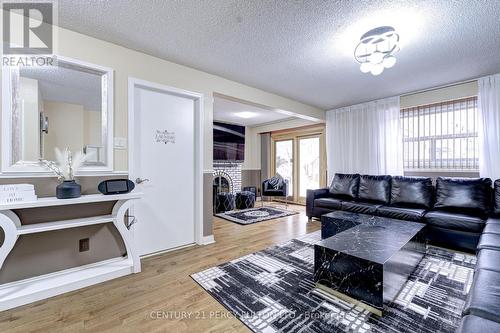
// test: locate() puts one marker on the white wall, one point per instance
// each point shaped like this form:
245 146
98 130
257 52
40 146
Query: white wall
252 150
92 128
66 128
30 101
282 125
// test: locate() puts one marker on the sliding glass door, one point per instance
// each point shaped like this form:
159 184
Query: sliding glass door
309 165
284 162
299 156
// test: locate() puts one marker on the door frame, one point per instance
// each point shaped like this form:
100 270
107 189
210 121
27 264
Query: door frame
289 198
295 134
322 163
198 142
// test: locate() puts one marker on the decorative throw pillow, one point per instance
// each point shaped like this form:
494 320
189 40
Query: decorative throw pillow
276 181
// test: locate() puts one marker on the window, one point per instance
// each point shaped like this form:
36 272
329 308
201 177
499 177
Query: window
441 136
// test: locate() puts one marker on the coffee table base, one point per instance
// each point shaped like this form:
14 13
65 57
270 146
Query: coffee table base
348 299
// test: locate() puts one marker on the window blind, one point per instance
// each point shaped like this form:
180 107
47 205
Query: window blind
441 136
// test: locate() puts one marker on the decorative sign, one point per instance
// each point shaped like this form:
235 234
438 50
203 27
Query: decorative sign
165 136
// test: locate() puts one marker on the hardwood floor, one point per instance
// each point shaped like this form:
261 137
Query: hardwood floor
163 297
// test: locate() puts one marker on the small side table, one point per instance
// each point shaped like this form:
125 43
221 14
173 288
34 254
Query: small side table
252 189
224 202
245 200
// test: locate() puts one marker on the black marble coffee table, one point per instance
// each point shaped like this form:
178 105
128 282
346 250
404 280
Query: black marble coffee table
338 221
369 259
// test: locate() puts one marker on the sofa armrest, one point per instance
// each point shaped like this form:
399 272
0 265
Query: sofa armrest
312 195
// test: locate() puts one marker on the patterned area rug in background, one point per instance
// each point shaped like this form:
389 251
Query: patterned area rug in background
254 215
273 291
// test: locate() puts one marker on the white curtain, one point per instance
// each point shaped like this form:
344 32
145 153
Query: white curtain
489 126
365 138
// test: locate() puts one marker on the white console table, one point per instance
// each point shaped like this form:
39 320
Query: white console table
25 291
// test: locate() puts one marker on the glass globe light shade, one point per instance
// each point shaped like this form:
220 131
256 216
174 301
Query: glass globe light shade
369 48
365 67
376 57
377 69
389 62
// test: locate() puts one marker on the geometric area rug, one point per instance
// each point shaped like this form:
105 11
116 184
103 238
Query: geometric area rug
253 215
273 291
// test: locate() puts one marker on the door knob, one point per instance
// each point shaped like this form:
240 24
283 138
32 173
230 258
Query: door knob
139 180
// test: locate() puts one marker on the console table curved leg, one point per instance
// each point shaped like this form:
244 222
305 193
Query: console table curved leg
9 222
119 210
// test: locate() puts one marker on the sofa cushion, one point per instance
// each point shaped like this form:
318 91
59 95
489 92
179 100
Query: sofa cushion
489 241
411 192
401 213
360 207
375 189
455 221
345 186
471 195
475 324
331 203
493 220
492 228
488 259
496 206
484 296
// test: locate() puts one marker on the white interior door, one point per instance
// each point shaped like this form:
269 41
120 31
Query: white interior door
164 153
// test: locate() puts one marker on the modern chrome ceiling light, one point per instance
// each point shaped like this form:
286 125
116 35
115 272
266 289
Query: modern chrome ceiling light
376 50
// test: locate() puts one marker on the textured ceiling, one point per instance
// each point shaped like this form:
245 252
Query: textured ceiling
303 49
227 111
60 84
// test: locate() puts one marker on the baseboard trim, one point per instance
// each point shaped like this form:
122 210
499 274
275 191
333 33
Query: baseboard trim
17 293
206 240
166 251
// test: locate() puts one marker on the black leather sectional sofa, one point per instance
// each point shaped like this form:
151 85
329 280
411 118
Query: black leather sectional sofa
460 213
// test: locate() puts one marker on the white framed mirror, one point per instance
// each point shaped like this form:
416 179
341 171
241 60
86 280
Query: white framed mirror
69 105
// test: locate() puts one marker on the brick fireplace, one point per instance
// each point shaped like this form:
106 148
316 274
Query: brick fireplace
227 176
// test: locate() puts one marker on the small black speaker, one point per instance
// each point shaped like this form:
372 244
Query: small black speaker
116 186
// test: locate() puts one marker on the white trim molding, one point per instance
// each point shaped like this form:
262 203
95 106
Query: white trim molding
207 240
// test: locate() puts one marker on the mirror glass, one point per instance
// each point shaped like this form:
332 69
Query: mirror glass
57 107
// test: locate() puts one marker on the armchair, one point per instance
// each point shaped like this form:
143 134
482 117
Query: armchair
270 191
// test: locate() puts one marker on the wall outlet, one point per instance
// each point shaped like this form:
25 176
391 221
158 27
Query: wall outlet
84 244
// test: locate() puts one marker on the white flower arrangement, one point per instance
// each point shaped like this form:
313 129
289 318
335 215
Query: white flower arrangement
66 164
